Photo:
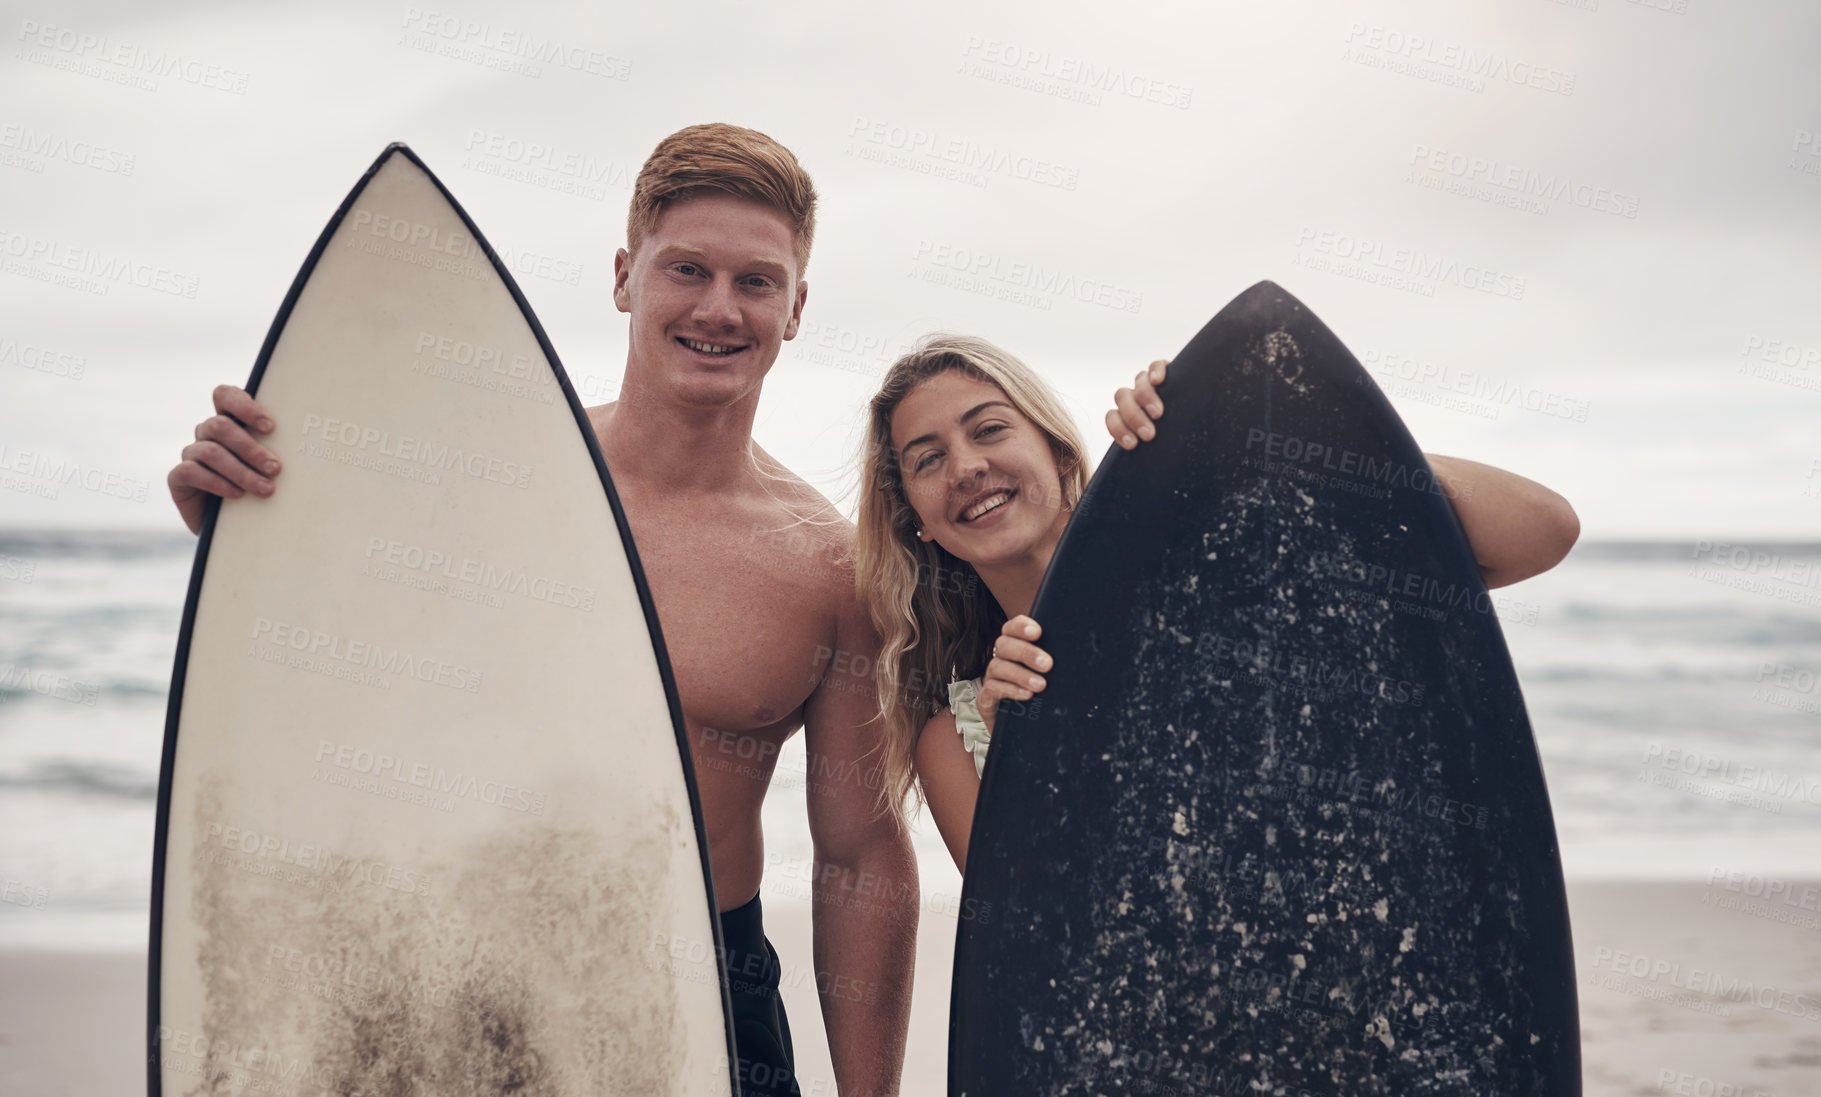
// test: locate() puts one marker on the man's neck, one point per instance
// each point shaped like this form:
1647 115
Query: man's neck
658 445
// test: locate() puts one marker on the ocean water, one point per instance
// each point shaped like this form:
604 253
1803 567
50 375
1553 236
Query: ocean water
1672 687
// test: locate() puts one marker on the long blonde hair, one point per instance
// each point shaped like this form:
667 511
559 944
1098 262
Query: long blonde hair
936 619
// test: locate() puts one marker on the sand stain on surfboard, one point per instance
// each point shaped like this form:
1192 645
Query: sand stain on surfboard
433 983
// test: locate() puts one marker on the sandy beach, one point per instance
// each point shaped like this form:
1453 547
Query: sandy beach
1686 989
1690 988
72 1024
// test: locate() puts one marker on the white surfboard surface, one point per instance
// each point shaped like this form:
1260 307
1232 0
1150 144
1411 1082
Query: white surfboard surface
426 822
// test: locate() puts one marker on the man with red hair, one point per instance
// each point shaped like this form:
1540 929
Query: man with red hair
718 237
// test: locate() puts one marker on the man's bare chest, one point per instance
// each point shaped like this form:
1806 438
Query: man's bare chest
746 634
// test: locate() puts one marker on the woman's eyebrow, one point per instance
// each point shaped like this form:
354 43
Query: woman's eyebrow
930 437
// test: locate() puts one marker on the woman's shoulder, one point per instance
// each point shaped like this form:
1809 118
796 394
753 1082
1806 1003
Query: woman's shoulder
961 706
941 723
938 731
965 719
962 694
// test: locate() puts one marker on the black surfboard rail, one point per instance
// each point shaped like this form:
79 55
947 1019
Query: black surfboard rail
1278 824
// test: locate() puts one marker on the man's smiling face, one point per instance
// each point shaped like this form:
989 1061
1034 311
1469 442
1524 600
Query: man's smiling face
713 293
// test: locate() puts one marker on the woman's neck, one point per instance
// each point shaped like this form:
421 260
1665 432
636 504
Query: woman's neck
1014 582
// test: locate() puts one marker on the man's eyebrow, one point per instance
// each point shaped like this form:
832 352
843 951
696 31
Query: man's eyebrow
681 251
930 437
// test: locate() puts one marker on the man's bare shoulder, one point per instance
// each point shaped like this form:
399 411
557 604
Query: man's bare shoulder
789 497
796 518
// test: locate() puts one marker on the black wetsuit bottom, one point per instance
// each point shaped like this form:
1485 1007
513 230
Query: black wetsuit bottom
761 1032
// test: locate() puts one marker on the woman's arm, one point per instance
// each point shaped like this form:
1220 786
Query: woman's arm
1516 527
945 759
950 785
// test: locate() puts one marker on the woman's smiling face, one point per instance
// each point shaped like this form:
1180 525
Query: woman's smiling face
981 476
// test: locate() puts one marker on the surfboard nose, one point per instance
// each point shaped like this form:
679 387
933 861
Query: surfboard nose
1264 299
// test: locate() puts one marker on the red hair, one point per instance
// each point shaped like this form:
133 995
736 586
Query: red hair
731 159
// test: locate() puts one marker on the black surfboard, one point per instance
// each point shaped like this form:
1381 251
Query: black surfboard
1277 825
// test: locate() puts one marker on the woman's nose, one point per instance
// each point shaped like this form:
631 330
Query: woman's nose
970 465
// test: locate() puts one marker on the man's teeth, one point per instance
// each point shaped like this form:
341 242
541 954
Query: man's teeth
986 504
708 348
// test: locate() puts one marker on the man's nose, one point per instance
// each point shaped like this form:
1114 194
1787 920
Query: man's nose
718 305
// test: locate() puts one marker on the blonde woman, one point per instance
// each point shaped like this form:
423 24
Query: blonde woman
972 470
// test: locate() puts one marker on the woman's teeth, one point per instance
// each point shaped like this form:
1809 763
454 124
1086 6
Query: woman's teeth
991 502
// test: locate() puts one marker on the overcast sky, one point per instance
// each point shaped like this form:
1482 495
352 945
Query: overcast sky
1575 239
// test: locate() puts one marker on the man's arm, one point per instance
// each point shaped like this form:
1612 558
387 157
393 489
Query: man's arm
225 459
1517 527
866 892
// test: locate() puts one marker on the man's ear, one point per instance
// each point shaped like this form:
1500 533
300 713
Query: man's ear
796 311
622 271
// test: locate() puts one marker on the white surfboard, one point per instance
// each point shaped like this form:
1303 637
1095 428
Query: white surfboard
426 822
